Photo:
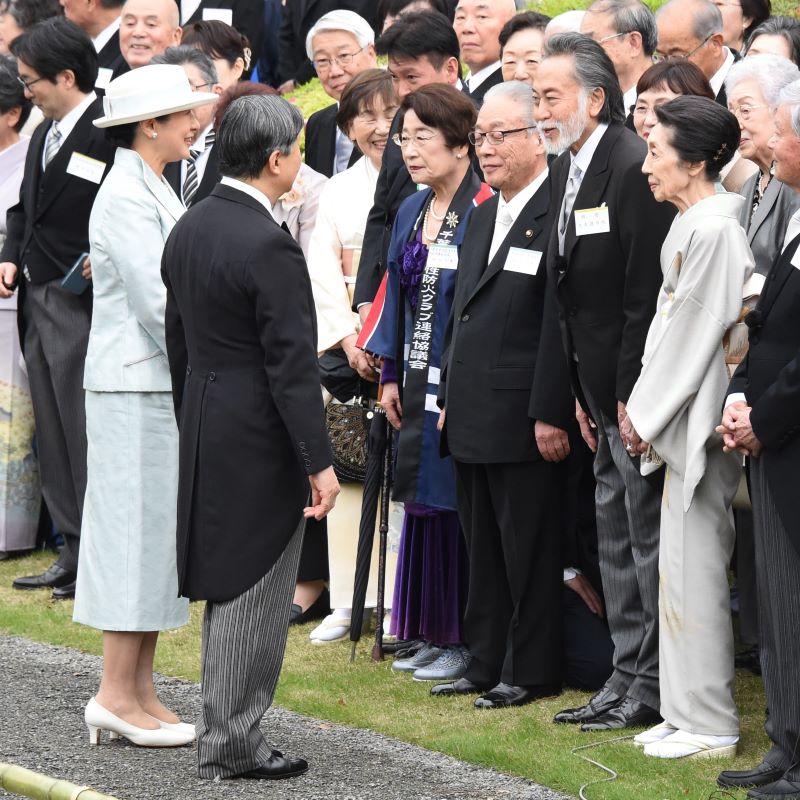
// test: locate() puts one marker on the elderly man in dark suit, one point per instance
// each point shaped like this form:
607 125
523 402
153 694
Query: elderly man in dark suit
241 339
762 421
603 259
505 490
422 48
48 233
341 45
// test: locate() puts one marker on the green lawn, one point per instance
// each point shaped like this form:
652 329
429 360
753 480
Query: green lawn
320 681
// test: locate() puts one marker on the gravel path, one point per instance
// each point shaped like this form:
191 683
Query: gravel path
43 690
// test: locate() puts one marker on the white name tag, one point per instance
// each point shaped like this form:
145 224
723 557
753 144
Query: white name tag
222 14
103 78
89 169
592 220
443 256
521 260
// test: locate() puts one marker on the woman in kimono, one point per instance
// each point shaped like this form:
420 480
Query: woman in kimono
671 416
430 584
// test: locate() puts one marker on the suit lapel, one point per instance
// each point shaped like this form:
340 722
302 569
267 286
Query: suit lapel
167 199
764 207
210 174
779 274
33 166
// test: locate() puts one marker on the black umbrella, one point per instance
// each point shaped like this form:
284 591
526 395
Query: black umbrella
376 484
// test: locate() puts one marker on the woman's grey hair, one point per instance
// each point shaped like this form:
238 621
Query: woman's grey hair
630 16
520 93
593 70
253 128
186 54
771 73
790 96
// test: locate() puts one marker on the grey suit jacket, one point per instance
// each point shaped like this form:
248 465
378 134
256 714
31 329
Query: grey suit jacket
766 230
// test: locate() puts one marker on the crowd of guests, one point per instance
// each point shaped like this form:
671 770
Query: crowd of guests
567 273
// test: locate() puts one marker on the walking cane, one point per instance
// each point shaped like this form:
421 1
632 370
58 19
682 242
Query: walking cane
386 487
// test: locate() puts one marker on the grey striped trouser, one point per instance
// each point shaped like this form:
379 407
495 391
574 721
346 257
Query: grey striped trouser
56 337
778 582
628 532
243 645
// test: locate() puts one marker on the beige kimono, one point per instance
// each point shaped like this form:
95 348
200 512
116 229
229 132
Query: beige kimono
675 406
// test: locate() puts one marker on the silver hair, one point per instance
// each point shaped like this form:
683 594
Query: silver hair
252 128
771 73
790 96
630 16
520 93
706 17
187 54
566 22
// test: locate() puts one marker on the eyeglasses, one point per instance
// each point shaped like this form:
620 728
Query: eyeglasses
28 84
681 56
744 112
196 87
419 141
342 60
612 36
494 137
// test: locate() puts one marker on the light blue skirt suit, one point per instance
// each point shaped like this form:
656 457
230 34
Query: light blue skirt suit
127 572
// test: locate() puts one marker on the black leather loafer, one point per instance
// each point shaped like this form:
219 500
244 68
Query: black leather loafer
319 609
781 789
601 702
52 578
628 713
64 592
461 686
504 695
761 775
278 766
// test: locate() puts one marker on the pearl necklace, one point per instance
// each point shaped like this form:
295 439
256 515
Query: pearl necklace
429 212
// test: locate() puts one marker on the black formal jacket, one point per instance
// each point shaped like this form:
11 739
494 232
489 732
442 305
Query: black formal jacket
110 56
49 228
211 176
247 16
242 346
479 93
606 283
298 17
321 141
769 376
493 340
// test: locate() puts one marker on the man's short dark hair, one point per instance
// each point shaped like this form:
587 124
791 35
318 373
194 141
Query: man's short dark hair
528 20
418 34
252 128
55 45
28 12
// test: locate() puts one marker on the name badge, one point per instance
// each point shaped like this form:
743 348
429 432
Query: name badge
592 220
521 260
103 78
443 256
222 14
90 169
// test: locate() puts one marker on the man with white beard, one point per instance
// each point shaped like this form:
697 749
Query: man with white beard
603 259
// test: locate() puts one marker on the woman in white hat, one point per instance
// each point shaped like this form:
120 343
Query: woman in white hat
127 575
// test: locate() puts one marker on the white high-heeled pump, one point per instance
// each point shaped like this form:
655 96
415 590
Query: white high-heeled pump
101 719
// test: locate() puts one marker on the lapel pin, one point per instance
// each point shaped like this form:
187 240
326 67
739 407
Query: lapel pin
528 233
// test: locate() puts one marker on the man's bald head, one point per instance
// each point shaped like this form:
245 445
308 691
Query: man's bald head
692 29
478 24
147 29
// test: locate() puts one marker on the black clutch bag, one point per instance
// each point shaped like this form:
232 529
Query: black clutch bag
348 431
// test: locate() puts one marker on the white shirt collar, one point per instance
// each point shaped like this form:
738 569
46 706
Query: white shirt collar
515 205
102 38
70 119
792 229
248 189
475 79
201 139
584 156
718 78
629 99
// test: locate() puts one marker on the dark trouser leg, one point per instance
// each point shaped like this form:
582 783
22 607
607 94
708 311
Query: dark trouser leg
588 649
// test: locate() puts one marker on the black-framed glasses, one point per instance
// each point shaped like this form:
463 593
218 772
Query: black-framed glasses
342 60
196 87
495 137
681 56
28 84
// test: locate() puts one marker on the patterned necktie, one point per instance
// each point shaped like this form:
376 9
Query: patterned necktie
53 144
344 149
502 225
191 183
573 184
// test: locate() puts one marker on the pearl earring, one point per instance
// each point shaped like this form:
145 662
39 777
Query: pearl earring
459 155
154 136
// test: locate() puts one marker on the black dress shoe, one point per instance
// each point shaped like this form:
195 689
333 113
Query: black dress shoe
761 775
504 695
461 686
782 789
319 609
628 713
52 578
600 703
278 766
64 592
749 659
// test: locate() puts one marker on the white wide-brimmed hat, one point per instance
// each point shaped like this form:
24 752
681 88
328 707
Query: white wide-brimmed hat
149 92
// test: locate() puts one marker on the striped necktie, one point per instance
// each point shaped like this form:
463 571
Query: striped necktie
191 183
573 184
53 144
